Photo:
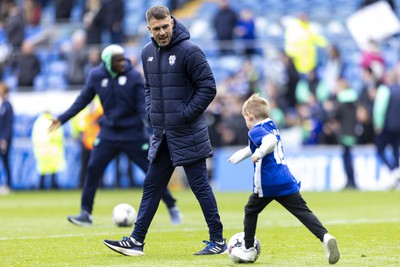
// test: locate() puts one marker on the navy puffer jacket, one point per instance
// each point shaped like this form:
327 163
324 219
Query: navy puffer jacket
179 86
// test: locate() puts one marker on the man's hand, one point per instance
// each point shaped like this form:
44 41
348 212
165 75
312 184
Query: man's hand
55 124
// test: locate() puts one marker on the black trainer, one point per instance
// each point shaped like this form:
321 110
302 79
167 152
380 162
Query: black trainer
83 219
127 246
213 247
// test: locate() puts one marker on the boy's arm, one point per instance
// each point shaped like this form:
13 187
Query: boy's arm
268 144
240 155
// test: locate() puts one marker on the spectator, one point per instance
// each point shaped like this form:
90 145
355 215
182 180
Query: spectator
290 80
93 58
225 21
93 22
302 42
6 134
113 19
14 26
232 125
14 23
371 57
311 88
246 31
276 101
48 149
333 69
344 115
364 108
28 66
33 12
63 10
75 54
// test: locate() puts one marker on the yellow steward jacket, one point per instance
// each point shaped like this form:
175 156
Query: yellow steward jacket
48 148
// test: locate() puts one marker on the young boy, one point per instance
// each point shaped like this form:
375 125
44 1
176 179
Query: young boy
272 181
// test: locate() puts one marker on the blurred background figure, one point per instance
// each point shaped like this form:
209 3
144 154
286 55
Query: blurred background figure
386 111
302 42
371 57
32 12
333 69
114 13
28 65
225 21
246 31
13 23
290 79
63 9
48 149
86 128
343 123
366 100
93 22
6 135
76 56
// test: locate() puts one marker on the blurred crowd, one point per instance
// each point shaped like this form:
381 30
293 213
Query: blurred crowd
304 77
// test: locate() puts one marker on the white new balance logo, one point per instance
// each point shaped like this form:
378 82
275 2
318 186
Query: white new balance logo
150 59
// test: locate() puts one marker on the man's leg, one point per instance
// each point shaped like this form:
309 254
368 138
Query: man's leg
157 178
197 177
100 157
137 153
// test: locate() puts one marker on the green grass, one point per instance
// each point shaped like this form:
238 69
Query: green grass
34 230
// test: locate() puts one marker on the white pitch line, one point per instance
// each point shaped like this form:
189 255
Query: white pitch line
190 229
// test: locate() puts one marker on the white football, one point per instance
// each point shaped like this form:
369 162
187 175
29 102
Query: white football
124 215
237 240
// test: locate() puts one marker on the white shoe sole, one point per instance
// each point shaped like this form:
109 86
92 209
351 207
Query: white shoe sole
124 251
334 254
79 223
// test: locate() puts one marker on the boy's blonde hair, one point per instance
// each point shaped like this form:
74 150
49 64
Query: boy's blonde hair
256 105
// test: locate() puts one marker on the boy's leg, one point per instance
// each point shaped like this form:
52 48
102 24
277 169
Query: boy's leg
253 207
297 206
198 180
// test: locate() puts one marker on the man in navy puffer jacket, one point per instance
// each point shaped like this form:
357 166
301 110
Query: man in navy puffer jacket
179 86
120 89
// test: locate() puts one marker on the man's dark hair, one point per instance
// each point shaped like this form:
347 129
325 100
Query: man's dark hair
157 12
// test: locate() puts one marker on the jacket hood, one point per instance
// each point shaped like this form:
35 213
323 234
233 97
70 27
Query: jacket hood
106 57
179 34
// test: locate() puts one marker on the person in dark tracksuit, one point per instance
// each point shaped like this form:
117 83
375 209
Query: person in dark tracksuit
6 135
121 92
386 110
179 86
345 115
272 180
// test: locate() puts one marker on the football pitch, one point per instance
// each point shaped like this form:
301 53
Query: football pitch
34 230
